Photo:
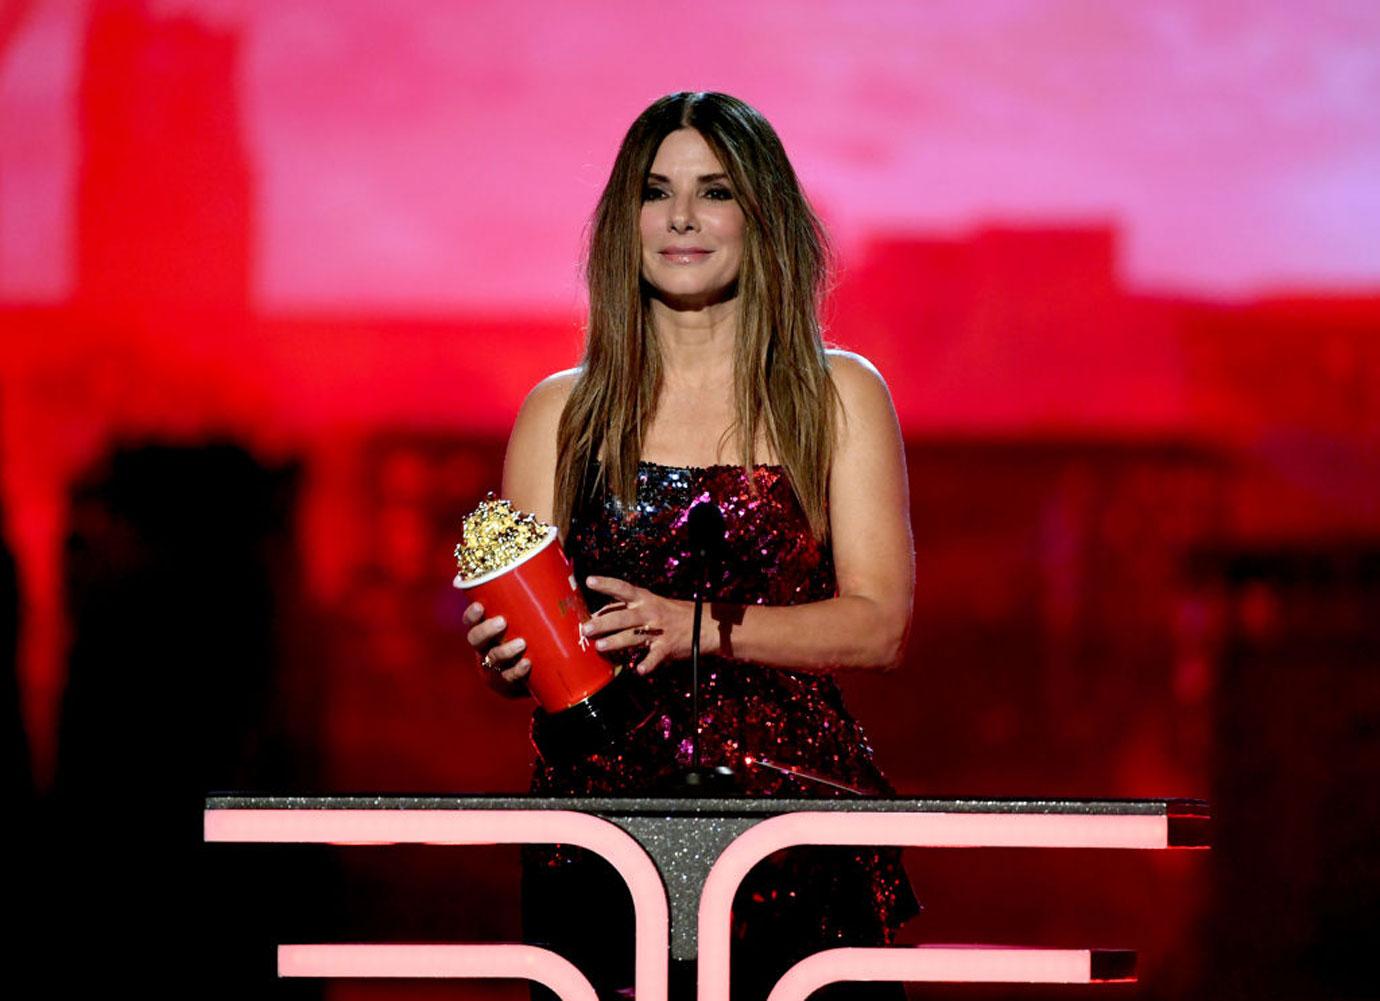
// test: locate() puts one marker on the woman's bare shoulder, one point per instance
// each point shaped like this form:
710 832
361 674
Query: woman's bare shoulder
861 388
552 391
541 410
529 468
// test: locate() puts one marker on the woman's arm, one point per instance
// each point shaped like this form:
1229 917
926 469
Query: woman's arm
865 627
529 476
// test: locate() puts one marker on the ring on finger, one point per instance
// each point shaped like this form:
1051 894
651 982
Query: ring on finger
487 662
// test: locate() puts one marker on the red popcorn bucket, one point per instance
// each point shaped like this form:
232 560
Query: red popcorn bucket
539 598
584 705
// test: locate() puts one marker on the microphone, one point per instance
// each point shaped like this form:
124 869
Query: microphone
706 526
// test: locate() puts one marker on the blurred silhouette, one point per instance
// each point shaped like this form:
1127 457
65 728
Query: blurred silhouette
182 586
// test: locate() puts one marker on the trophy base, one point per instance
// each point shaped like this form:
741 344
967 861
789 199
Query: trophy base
602 721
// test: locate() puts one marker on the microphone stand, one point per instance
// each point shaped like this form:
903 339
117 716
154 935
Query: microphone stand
706 524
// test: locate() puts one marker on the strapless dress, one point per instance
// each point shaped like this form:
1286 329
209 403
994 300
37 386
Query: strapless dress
784 733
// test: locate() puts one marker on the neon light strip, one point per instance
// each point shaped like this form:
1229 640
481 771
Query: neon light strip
478 827
935 964
456 962
921 830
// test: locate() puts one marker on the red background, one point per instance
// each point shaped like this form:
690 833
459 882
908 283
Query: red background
1118 264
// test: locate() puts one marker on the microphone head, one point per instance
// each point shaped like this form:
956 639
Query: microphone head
706 524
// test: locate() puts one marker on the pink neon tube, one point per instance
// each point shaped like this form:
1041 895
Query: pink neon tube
519 962
477 827
920 830
935 964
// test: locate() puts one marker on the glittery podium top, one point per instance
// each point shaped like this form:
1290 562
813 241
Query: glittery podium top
784 733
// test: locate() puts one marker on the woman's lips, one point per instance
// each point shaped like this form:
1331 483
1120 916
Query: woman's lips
684 255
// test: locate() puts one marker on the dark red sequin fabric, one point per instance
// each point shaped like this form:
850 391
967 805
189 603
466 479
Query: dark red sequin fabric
764 722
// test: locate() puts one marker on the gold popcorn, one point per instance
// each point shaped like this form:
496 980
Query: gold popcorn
495 536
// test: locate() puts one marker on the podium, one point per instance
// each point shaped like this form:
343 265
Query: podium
682 861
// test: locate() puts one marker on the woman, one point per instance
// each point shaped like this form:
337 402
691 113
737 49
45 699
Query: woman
705 376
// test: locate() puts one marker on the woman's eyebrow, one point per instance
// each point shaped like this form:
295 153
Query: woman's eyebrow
703 178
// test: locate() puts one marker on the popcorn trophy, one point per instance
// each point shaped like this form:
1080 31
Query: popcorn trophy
514 564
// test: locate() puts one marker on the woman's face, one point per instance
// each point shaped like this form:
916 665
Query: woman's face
691 224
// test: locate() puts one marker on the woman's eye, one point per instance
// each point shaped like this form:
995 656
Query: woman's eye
722 194
652 194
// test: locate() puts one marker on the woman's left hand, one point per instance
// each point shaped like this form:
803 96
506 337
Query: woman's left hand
641 619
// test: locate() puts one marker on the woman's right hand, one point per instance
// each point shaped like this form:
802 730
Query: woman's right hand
506 667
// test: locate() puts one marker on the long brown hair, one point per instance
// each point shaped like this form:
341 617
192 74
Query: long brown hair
782 389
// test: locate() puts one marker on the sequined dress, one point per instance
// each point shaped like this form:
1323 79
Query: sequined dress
800 901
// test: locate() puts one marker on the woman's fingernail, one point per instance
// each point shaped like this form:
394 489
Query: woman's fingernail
601 644
501 622
591 581
520 645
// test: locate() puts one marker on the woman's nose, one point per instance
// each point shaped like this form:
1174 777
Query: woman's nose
682 215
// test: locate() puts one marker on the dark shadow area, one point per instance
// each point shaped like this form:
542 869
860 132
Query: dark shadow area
1296 902
18 776
21 833
184 605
